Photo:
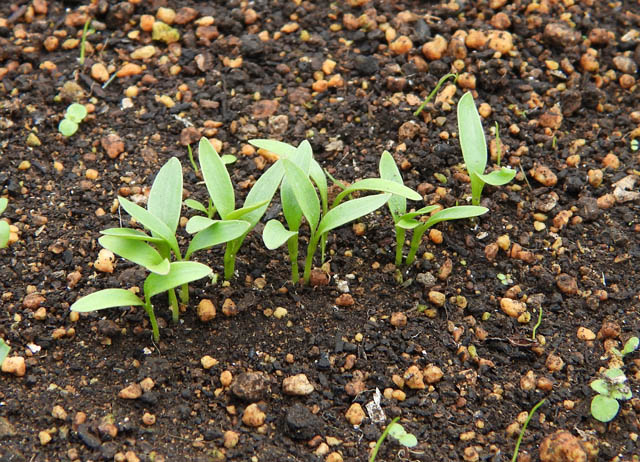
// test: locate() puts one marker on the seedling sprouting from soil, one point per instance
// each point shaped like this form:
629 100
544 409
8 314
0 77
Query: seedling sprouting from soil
524 428
611 388
404 221
4 350
442 80
154 252
83 42
4 226
396 431
222 201
74 115
474 150
629 347
300 199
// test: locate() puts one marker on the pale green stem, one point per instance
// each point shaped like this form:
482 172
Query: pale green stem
292 245
148 307
229 261
400 234
476 189
524 427
308 263
418 232
184 293
175 309
374 453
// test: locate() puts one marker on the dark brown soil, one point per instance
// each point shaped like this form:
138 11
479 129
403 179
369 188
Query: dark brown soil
552 103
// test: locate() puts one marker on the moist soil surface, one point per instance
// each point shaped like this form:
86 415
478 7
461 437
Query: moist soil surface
439 339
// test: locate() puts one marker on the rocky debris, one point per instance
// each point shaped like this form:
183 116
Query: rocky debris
413 378
112 144
206 310
355 414
105 261
251 386
297 385
562 446
14 365
253 416
301 423
133 391
567 284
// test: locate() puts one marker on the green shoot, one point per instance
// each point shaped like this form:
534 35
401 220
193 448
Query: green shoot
498 146
404 221
4 226
611 388
74 115
191 159
4 350
524 428
442 80
397 431
535 328
83 43
474 150
629 347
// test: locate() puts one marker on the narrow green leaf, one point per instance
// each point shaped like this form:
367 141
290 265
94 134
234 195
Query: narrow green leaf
263 190
472 141
241 212
136 251
5 233
283 150
216 234
130 233
604 408
320 179
151 222
408 223
351 210
217 178
67 127
3 204
165 198
198 223
4 350
195 205
600 386
76 112
456 213
304 192
107 298
498 177
378 184
181 272
389 171
422 211
275 234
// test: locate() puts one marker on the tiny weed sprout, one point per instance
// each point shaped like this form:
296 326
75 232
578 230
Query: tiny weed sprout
299 199
154 252
611 388
474 150
629 347
396 431
404 221
222 201
442 80
4 350
83 42
4 226
524 428
74 115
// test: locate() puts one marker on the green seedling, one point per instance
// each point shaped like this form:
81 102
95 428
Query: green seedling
299 199
535 328
442 80
159 252
83 42
396 431
404 221
611 388
4 350
474 150
74 115
629 347
222 200
634 144
4 226
524 428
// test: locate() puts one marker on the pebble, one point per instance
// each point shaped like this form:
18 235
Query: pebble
401 46
500 41
567 284
99 72
146 22
166 15
554 363
112 144
206 310
230 439
208 362
145 52
432 374
334 457
589 60
51 43
595 177
544 175
475 39
58 412
226 378
14 365
44 437
345 300
253 416
185 15
355 415
133 391
164 33
606 201
105 261
586 334
413 378
435 48
611 161
398 319
129 69
561 35
251 386
229 307
625 64
562 446
551 119
33 301
279 312
148 419
33 141
297 385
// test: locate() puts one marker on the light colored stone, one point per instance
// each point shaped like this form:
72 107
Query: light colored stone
413 378
14 365
206 310
99 72
133 391
253 416
297 385
512 308
586 334
208 362
432 374
355 414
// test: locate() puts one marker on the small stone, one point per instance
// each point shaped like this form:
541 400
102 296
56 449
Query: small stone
58 412
609 330
104 262
589 61
99 72
625 64
435 48
14 365
504 242
185 15
567 284
611 161
345 300
501 41
544 175
229 307
253 416
554 363
606 201
33 141
562 218
528 381
145 52
164 33
206 310
355 415
113 145
475 39
230 439
128 70
334 457
413 378
401 46
561 35
470 454
40 314
297 385
437 298
133 391
146 22
318 278
491 251
562 446
226 378
398 395
44 437
167 15
251 386
512 308
432 374
208 362
398 319
551 119
408 130
279 312
33 301
500 21
586 334
435 236
148 419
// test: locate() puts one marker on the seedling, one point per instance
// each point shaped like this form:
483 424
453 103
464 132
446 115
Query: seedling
611 388
299 199
524 428
4 226
535 328
222 200
629 347
442 80
404 221
155 252
83 42
474 150
396 431
4 350
74 115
